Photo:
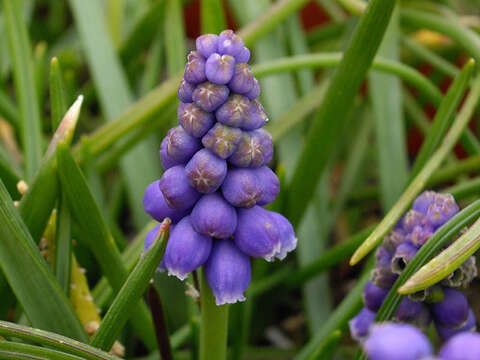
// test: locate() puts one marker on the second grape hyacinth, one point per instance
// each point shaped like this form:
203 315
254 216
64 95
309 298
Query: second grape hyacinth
216 178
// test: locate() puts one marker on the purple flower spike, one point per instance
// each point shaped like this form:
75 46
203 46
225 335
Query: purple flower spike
360 324
408 310
254 150
256 234
242 188
231 44
227 272
243 56
254 91
404 253
382 274
257 118
166 160
209 96
207 44
186 249
419 235
442 209
206 171
242 80
270 184
288 240
180 146
452 311
392 240
195 68
155 205
194 120
446 333
373 296
185 91
220 69
176 189
396 342
464 346
213 216
423 201
235 112
222 140
411 219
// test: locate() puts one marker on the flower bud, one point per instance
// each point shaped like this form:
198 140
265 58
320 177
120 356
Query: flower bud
392 240
227 272
411 219
206 171
243 56
288 240
210 96
254 150
222 140
396 342
382 274
155 205
166 160
404 253
213 216
180 146
231 44
419 235
373 296
257 117
446 333
242 188
442 209
219 69
176 189
464 346
185 91
194 120
270 185
360 324
207 44
254 91
452 311
195 68
186 250
408 310
242 79
234 112
423 201
462 276
256 234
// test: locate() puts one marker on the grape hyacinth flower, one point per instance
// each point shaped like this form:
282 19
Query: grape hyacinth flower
217 178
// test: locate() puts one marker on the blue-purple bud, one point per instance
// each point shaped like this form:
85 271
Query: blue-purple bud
419 235
360 324
411 219
257 234
176 189
206 171
254 150
227 272
242 80
185 91
194 120
186 249
210 96
408 310
257 117
423 201
180 146
382 274
464 346
288 240
396 342
404 253
220 69
195 68
235 112
242 188
254 91
392 240
452 311
207 44
222 140
270 183
213 216
446 333
165 159
243 56
373 296
442 209
231 44
155 205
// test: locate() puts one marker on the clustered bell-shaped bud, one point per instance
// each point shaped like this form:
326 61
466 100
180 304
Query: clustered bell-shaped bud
441 304
216 176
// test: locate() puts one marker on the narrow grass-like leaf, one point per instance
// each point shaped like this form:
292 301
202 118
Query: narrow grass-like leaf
336 104
131 292
8 110
9 174
443 117
20 351
21 56
63 245
175 41
58 95
29 276
153 67
115 16
212 16
55 341
418 184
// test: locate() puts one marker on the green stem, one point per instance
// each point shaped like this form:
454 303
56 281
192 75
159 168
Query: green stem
214 324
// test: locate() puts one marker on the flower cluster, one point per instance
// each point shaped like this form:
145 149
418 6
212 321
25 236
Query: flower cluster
442 303
216 178
391 341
